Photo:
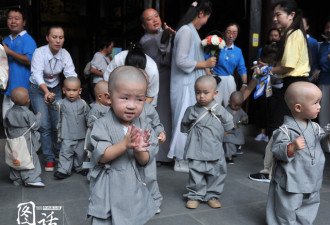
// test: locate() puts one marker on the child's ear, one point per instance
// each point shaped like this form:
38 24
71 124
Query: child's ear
80 90
107 96
216 92
63 90
297 107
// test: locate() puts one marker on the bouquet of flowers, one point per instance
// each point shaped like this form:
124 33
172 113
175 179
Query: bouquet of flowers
212 45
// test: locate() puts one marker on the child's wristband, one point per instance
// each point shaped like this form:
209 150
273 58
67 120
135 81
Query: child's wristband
287 150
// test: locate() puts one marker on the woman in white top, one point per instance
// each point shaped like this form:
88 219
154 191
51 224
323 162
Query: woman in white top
136 57
48 62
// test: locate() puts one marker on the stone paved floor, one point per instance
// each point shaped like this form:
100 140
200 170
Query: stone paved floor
243 201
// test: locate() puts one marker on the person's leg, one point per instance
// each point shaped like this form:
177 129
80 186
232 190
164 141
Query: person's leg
282 206
197 184
32 175
54 121
229 89
98 221
6 105
38 105
215 178
307 213
79 155
66 157
230 150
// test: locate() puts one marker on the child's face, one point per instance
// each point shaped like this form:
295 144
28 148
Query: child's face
235 103
71 90
127 100
205 93
310 108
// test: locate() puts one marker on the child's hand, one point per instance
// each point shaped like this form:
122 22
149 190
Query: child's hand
298 144
39 113
162 138
235 126
243 119
141 141
131 136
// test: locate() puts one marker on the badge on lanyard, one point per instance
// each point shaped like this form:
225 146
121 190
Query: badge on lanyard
51 76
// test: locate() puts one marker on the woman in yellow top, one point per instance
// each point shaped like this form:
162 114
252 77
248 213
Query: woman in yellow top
293 59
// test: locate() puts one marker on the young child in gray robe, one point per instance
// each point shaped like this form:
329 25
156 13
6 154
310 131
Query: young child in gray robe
235 137
71 128
149 172
205 123
98 109
18 120
294 192
121 141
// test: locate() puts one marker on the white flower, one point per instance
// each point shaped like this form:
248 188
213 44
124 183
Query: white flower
222 44
204 42
215 40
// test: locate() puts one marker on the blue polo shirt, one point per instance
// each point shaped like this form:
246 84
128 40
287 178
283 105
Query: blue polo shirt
314 47
19 73
324 64
229 59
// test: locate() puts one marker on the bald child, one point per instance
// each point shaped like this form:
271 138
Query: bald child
294 192
122 144
235 137
71 128
18 120
98 109
205 124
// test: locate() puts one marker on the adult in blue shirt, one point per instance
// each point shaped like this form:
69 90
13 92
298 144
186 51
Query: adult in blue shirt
19 47
323 64
230 58
313 45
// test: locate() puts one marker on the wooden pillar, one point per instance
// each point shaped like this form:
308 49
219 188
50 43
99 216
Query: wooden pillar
255 30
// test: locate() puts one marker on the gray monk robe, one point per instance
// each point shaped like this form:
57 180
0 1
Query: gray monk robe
116 188
234 136
161 53
72 130
203 149
97 111
17 120
294 191
149 172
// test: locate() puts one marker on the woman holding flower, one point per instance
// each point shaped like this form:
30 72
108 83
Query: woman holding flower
188 63
230 58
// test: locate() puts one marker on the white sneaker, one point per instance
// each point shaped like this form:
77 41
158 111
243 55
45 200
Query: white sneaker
266 139
158 211
35 184
259 137
181 166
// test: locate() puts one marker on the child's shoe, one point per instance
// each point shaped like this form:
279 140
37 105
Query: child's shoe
192 204
60 175
259 137
84 172
49 166
214 203
230 161
181 166
35 184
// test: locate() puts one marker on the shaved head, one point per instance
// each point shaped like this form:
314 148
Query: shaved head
20 96
236 95
207 79
299 92
72 79
101 87
128 74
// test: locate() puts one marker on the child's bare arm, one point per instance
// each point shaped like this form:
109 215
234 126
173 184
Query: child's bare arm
113 151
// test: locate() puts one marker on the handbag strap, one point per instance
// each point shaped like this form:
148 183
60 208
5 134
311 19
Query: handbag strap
208 110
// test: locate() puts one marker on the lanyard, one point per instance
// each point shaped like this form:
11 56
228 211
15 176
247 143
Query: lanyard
51 76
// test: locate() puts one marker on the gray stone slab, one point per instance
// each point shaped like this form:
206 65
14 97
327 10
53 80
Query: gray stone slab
76 215
8 215
10 196
177 220
61 191
253 214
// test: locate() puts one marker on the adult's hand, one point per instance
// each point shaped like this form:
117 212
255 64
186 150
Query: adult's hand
169 28
210 62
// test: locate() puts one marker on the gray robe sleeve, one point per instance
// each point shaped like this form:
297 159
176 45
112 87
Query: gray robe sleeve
153 119
187 120
226 119
281 141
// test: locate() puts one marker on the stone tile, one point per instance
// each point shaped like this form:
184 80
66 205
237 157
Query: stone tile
8 215
76 215
177 220
253 214
61 191
10 196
